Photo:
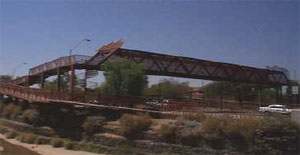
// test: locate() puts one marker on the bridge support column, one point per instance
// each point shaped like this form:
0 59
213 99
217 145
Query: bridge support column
58 82
277 94
259 96
42 80
72 80
85 81
221 101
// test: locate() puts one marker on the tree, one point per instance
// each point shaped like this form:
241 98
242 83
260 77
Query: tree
238 91
168 89
5 78
123 77
93 124
63 83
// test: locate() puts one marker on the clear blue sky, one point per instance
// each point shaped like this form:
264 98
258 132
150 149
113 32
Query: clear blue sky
256 33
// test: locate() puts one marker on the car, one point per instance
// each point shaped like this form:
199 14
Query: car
275 108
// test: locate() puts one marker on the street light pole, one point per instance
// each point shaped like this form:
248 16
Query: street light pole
72 65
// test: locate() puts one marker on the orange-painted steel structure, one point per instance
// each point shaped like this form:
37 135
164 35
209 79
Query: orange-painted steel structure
157 64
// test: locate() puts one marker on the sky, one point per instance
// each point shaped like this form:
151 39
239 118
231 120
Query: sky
254 33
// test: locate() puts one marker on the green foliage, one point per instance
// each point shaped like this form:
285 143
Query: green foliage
168 89
133 126
5 78
199 117
56 142
63 83
241 92
276 135
11 134
93 124
27 138
41 140
3 130
46 131
31 116
169 133
183 131
123 77
69 145
89 147
2 105
238 91
191 137
12 110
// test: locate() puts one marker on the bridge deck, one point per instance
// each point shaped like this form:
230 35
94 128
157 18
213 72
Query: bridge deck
158 64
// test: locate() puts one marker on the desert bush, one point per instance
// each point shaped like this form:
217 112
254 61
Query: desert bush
2 105
69 145
46 131
133 126
184 131
169 133
31 116
3 130
199 117
276 135
191 138
93 124
27 138
8 110
215 140
11 134
240 133
56 142
42 140
213 128
7 99
16 111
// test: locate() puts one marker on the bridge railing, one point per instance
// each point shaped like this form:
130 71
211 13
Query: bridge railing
60 62
32 94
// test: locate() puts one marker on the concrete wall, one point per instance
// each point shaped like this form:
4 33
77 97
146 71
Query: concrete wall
295 115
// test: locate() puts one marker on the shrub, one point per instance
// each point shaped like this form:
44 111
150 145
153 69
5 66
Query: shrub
11 134
133 126
184 131
93 124
168 133
2 106
31 116
214 131
191 138
56 142
215 140
276 135
199 117
27 138
42 140
240 133
70 145
3 130
46 131
8 110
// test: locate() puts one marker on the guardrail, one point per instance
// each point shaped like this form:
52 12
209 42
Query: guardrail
32 94
60 62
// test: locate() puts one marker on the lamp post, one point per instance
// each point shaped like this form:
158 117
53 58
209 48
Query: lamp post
18 66
72 65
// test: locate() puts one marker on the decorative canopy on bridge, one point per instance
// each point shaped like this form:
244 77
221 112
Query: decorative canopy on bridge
164 65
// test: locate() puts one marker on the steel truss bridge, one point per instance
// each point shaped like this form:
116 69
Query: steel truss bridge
153 63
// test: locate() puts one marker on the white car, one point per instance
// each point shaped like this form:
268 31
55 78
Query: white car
275 108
